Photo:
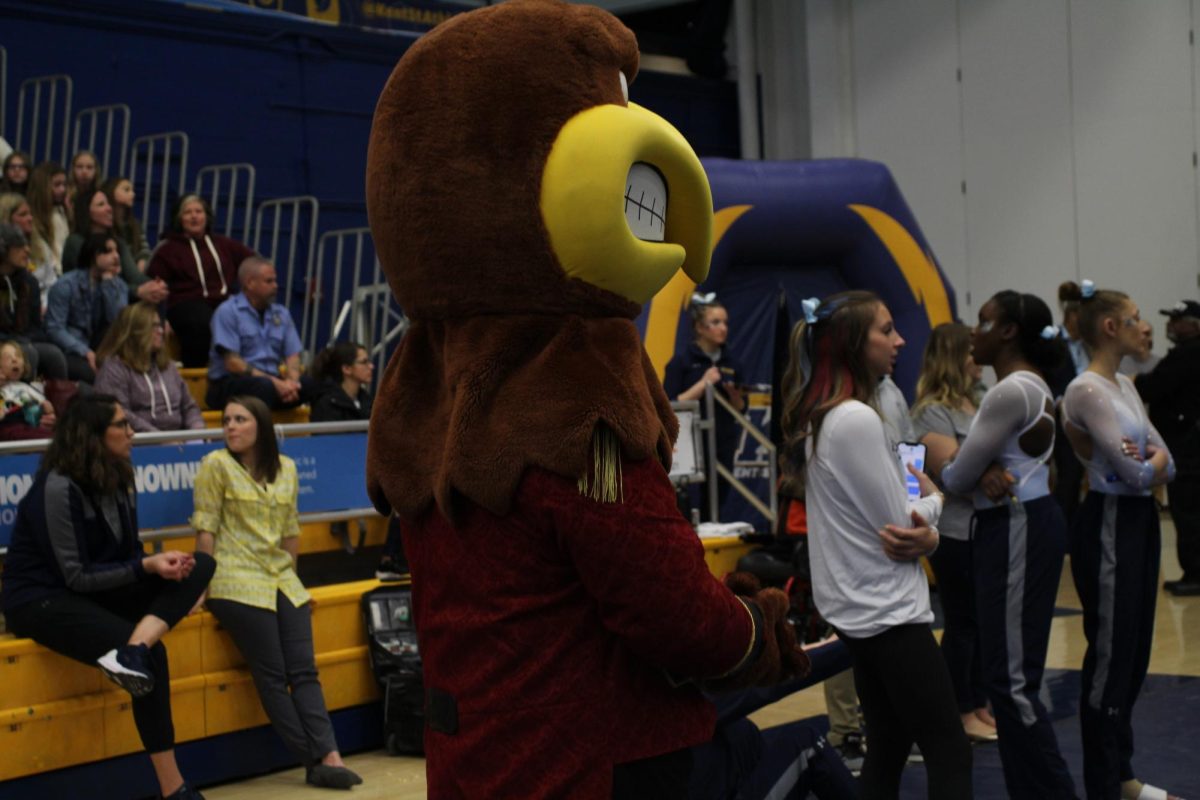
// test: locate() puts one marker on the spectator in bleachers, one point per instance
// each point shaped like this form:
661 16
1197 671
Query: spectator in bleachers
94 214
135 369
255 347
345 371
85 174
84 303
76 579
47 197
246 517
21 307
120 193
25 413
201 270
15 175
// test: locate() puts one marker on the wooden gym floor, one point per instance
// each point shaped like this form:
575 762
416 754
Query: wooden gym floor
1176 652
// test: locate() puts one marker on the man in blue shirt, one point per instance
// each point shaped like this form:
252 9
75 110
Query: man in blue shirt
255 348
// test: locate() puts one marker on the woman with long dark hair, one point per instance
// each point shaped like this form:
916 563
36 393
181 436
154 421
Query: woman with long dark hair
1115 540
94 214
1019 536
14 175
866 575
21 306
76 579
345 371
246 517
947 399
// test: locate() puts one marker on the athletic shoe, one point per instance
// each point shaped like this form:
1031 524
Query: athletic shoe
184 793
914 755
853 751
1185 589
390 570
331 777
128 666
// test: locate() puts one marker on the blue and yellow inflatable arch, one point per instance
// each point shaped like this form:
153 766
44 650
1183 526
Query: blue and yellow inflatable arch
784 231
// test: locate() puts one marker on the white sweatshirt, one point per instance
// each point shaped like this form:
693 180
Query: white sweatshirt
854 488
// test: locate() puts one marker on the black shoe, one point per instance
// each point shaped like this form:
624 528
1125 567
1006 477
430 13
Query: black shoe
184 793
1185 588
329 777
853 751
128 666
390 569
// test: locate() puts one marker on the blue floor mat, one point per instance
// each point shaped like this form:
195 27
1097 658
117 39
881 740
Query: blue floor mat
1166 727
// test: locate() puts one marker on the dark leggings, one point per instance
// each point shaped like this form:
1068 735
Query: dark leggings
86 626
960 640
906 696
78 369
190 320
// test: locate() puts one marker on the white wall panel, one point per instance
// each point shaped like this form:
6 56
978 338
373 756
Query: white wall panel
906 113
1133 131
1020 215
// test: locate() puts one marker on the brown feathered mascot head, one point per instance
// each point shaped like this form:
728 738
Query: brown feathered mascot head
522 210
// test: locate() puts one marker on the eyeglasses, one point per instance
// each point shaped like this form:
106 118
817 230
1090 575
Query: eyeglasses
123 422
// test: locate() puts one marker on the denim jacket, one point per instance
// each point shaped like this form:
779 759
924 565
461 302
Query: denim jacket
69 309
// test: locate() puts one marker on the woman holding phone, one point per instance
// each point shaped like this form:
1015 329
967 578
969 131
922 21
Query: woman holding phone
707 362
865 558
1115 540
1019 536
946 404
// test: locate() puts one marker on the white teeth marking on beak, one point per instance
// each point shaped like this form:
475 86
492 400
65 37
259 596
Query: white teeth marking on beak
624 87
646 203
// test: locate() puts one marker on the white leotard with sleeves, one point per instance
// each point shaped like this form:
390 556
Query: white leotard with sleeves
853 490
1110 412
1010 409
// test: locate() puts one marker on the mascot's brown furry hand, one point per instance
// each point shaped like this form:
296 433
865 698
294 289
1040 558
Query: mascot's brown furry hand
781 657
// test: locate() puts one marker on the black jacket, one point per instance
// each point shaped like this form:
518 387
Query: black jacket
62 541
334 405
1172 390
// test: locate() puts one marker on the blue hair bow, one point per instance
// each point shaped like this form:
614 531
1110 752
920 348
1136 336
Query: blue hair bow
1050 332
703 299
810 307
1087 289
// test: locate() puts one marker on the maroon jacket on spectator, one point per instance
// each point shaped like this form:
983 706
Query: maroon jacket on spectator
175 261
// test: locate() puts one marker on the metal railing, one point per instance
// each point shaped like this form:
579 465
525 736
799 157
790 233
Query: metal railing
280 234
101 122
46 128
349 295
712 399
157 535
163 158
229 190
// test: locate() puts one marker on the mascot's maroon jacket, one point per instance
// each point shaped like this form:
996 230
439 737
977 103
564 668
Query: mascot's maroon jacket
560 627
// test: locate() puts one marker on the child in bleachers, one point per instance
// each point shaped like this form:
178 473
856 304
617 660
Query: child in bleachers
85 303
120 193
25 413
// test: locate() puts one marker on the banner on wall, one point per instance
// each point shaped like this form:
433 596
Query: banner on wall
330 470
408 15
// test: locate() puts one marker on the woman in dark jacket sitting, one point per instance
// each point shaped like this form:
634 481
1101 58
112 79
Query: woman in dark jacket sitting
345 371
77 581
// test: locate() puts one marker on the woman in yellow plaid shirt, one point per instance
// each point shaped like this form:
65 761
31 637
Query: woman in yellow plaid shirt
245 516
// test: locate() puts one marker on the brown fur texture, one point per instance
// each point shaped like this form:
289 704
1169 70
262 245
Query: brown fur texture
508 363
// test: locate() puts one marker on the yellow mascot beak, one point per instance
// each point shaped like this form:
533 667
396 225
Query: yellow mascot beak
626 202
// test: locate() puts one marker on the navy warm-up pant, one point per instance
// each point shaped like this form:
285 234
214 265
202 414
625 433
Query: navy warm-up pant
1017 555
1114 558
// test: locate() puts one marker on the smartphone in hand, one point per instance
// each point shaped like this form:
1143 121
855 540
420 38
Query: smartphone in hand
914 454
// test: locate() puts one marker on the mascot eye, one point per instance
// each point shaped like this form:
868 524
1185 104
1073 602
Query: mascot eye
624 87
646 203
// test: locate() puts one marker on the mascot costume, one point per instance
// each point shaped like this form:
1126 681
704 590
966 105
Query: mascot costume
522 210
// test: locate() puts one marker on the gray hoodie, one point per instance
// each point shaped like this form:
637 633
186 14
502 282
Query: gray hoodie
154 400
